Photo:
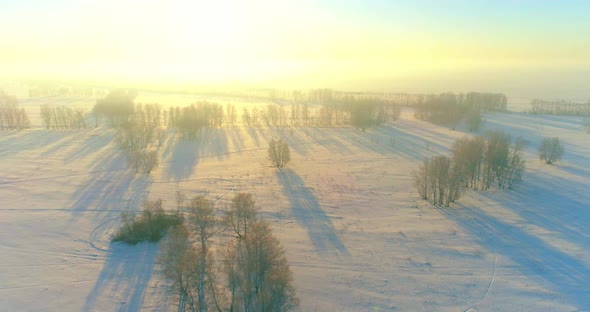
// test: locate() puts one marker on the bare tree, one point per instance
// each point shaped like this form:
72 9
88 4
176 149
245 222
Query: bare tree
516 165
473 119
206 224
180 198
242 214
468 157
439 180
279 153
551 150
421 179
174 260
260 277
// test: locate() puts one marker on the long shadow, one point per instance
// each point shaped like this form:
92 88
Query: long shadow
93 142
333 139
67 138
126 274
16 142
582 172
214 143
552 203
533 131
306 209
236 138
252 132
536 259
404 139
185 154
183 159
111 187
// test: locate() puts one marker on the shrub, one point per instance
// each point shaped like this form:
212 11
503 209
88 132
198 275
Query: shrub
279 153
151 225
551 150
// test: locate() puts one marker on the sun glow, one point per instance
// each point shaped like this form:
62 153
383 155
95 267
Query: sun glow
297 44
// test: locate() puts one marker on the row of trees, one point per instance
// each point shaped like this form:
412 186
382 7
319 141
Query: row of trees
46 91
450 109
12 117
117 108
476 163
249 272
189 120
560 107
62 117
344 112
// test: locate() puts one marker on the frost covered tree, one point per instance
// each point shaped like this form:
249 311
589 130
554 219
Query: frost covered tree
438 180
258 274
242 214
474 120
551 150
206 224
279 153
11 116
194 279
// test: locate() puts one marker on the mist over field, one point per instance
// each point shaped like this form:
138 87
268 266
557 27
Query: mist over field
294 155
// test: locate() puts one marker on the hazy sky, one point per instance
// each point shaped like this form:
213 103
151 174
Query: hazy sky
416 46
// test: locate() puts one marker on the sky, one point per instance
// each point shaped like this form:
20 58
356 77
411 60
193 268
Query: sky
525 46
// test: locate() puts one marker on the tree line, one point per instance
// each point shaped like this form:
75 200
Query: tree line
560 107
360 114
189 120
62 117
476 163
12 117
450 109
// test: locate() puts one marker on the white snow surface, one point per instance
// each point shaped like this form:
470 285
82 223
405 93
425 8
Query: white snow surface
357 236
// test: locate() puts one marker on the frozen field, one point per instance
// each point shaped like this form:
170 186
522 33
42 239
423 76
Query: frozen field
345 208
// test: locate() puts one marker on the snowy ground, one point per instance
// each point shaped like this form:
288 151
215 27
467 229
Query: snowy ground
356 235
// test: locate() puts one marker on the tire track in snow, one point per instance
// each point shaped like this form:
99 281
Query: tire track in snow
92 236
27 251
413 270
47 284
484 296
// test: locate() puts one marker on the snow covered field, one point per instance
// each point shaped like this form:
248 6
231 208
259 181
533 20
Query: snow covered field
345 208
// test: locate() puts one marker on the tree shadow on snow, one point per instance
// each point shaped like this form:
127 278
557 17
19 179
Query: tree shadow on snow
411 140
13 143
185 154
124 278
552 203
536 259
68 137
93 142
110 189
308 212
